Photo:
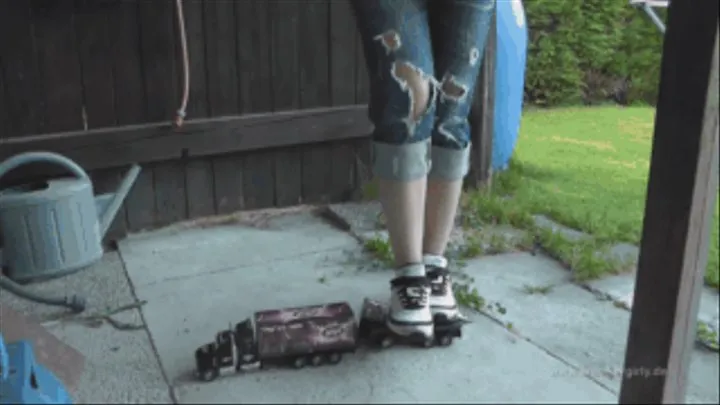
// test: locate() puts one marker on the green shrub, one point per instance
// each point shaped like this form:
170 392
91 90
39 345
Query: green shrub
591 51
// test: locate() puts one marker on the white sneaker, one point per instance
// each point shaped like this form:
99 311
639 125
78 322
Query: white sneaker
442 298
409 305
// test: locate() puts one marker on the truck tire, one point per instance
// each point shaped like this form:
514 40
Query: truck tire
334 358
299 362
317 360
386 341
444 340
208 375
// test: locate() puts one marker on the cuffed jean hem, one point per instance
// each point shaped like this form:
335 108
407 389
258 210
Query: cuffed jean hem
404 162
449 164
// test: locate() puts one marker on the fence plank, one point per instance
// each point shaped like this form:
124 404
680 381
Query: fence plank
20 68
284 51
59 62
342 175
228 172
195 30
221 60
107 181
140 204
288 177
170 195
4 119
313 58
343 64
200 188
125 48
259 179
253 39
91 26
158 55
362 82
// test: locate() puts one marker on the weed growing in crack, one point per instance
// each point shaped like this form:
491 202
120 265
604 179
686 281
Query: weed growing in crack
380 249
707 336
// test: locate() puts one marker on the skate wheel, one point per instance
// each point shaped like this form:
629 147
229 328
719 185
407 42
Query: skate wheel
445 340
316 360
428 343
387 341
334 358
299 362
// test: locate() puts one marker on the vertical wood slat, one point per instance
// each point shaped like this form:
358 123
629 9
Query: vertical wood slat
93 37
195 32
54 24
107 181
4 118
169 192
129 82
130 105
228 172
259 179
482 115
20 73
157 23
343 60
288 176
283 16
362 80
253 49
313 78
681 194
221 57
140 204
200 188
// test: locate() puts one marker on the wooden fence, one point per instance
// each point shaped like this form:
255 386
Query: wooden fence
276 114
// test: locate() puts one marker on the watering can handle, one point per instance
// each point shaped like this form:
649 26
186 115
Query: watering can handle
36 157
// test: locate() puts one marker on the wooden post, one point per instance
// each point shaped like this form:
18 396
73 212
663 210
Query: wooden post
482 115
678 212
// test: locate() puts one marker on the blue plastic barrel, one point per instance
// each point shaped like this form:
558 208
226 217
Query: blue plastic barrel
512 42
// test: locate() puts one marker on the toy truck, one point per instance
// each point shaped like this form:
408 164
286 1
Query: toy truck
373 328
292 336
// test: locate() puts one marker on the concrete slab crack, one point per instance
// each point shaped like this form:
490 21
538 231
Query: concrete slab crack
166 379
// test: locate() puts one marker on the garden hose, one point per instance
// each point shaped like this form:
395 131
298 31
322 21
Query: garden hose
74 303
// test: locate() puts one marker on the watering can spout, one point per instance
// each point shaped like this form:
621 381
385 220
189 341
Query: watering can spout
109 204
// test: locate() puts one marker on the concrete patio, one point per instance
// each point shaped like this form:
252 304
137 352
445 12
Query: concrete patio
563 346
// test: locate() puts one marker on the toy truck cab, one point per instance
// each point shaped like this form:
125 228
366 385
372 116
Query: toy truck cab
232 350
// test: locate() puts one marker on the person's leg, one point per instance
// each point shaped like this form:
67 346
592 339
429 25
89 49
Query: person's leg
398 53
459 30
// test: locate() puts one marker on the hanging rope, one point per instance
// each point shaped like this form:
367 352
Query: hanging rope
180 117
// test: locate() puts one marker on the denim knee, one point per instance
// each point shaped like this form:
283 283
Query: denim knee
403 119
398 52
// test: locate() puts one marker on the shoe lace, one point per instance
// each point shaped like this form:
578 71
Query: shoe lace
412 292
440 280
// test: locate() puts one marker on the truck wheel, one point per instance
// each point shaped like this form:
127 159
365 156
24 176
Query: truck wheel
208 375
299 362
316 360
387 341
334 358
444 340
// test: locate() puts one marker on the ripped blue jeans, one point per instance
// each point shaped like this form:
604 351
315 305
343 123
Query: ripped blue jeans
438 44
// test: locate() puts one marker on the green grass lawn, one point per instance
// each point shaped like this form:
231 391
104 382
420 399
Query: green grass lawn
587 168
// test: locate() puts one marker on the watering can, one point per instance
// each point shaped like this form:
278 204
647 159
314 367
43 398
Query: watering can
54 227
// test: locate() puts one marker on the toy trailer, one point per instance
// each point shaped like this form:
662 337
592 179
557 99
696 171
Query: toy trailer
293 336
373 328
